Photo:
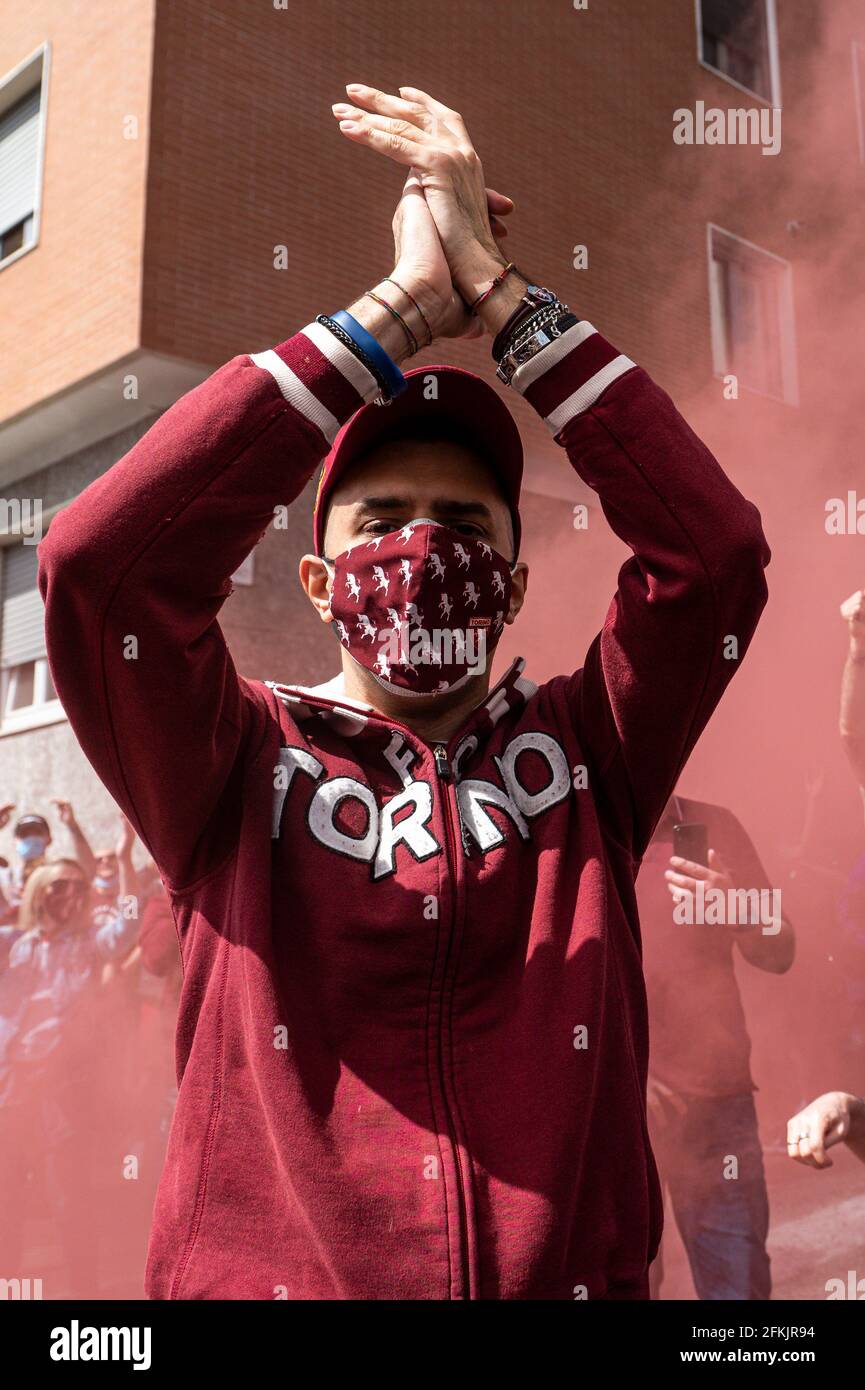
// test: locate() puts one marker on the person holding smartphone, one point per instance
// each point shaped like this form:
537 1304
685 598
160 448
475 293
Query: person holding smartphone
700 1092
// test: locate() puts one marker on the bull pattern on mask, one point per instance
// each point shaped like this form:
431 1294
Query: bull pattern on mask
422 608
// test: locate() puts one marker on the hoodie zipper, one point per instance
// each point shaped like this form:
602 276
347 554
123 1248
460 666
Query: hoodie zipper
444 770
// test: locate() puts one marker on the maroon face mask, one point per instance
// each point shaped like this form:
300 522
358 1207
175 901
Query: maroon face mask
422 608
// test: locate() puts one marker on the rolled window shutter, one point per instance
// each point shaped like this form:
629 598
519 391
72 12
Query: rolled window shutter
19 158
22 624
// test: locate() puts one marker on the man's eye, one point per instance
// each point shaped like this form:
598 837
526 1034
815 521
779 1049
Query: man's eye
467 528
381 527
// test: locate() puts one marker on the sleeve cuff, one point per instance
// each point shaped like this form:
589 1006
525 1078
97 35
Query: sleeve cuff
319 377
568 377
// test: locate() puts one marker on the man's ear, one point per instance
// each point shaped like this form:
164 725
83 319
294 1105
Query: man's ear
519 584
316 582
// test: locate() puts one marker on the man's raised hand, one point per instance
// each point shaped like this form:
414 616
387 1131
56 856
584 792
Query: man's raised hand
416 130
421 268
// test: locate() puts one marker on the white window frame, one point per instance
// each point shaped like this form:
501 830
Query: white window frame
858 50
787 327
774 99
13 86
42 711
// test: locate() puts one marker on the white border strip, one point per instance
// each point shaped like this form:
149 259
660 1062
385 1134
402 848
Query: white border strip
588 393
296 393
339 356
549 356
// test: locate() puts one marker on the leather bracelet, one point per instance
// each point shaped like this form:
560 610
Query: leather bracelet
530 324
353 347
522 312
532 343
536 297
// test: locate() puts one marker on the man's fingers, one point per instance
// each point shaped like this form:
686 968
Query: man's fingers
371 99
498 206
392 125
499 202
680 880
853 608
690 866
437 109
813 1143
396 147
806 1140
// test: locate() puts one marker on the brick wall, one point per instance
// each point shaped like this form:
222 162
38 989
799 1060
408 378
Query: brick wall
72 305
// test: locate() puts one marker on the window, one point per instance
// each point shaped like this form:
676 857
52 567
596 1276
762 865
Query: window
27 694
739 40
751 294
22 122
859 89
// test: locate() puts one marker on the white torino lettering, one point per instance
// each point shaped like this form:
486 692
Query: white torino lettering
410 831
322 810
533 803
292 759
378 844
400 757
473 796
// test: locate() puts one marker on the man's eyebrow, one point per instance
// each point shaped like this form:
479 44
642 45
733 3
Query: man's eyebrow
382 504
448 506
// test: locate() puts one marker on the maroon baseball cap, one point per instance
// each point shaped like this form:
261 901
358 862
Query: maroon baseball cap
466 402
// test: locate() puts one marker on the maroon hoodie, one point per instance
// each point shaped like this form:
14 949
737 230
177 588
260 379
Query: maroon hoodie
412 1036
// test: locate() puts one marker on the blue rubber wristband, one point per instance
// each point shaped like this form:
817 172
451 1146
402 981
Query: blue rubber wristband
388 369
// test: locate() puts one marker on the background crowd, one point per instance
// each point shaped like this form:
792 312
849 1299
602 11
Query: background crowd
89 976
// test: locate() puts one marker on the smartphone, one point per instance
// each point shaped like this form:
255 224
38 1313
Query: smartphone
691 841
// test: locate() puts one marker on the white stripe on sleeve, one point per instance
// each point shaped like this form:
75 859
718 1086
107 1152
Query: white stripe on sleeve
549 356
588 393
296 393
